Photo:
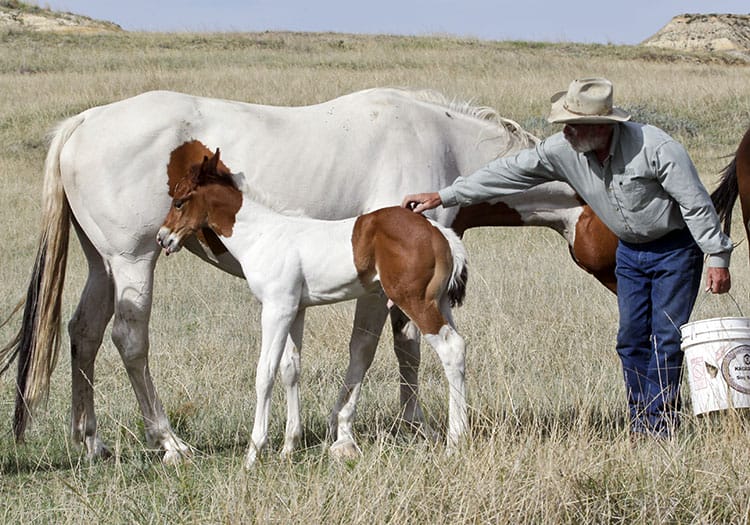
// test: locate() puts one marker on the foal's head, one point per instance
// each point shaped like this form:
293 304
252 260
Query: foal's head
206 196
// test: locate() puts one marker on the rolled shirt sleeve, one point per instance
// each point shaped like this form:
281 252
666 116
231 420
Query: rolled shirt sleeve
501 177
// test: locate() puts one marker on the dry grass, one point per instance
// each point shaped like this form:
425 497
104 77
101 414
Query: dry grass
548 438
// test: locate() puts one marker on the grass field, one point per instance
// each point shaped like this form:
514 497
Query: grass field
548 441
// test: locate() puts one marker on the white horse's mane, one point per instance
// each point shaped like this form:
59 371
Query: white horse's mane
465 107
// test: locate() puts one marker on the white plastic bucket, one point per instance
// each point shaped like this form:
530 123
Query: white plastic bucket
717 353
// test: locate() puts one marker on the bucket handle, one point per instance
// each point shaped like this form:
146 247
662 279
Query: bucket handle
702 301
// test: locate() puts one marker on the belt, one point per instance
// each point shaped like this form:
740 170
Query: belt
675 239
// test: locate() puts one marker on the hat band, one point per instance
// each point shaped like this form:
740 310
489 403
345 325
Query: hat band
567 108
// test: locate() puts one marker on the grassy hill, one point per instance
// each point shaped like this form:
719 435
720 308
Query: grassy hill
549 442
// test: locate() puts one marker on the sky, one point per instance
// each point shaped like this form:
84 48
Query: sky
585 21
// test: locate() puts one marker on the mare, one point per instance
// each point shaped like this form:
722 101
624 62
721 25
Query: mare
109 171
735 182
291 263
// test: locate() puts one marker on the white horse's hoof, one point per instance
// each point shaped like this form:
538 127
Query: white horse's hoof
421 429
97 450
428 433
345 449
176 456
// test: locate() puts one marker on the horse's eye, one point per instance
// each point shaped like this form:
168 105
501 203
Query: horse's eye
178 204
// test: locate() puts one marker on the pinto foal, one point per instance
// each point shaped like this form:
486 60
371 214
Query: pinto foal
291 263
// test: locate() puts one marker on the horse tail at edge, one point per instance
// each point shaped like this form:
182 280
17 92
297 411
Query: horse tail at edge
37 343
725 195
456 290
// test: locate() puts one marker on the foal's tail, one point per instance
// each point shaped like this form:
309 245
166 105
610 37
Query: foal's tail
37 343
725 195
459 277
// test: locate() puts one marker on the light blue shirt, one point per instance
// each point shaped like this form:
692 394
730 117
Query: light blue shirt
646 188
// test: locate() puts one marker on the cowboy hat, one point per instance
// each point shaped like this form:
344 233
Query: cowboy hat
587 101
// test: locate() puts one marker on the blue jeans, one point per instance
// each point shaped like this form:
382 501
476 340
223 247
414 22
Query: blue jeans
657 283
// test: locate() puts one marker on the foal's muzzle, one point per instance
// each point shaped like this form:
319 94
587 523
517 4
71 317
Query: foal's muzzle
168 240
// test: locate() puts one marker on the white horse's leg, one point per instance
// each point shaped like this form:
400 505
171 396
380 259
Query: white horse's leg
290 371
276 322
406 339
451 350
369 318
86 331
133 295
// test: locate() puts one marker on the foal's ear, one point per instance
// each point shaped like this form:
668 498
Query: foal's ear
209 166
198 172
213 163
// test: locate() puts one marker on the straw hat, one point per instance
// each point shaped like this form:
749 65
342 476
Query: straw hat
587 101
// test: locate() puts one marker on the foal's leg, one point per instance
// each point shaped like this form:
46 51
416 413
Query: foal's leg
133 278
86 331
451 349
276 323
290 371
369 318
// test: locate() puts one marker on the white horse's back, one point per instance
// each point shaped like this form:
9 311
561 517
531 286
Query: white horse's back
332 160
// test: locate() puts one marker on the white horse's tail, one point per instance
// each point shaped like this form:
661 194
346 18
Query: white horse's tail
37 343
459 277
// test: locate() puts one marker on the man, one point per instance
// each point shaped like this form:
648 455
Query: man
645 188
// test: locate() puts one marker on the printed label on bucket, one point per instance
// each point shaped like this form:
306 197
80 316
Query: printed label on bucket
735 367
698 379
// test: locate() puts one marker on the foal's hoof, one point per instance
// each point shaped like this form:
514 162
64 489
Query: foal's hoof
345 450
251 458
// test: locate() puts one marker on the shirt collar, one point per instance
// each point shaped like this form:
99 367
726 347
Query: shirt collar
615 140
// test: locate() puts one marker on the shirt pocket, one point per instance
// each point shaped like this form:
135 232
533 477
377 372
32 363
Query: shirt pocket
634 190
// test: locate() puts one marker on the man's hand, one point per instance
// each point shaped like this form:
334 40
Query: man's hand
718 280
420 202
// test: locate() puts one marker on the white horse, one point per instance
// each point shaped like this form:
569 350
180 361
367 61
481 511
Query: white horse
291 263
109 171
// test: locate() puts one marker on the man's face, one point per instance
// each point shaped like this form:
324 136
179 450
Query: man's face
587 137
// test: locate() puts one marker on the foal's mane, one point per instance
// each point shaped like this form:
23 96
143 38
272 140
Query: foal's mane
200 177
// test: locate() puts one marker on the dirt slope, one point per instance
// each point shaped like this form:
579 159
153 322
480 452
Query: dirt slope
711 33
20 16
